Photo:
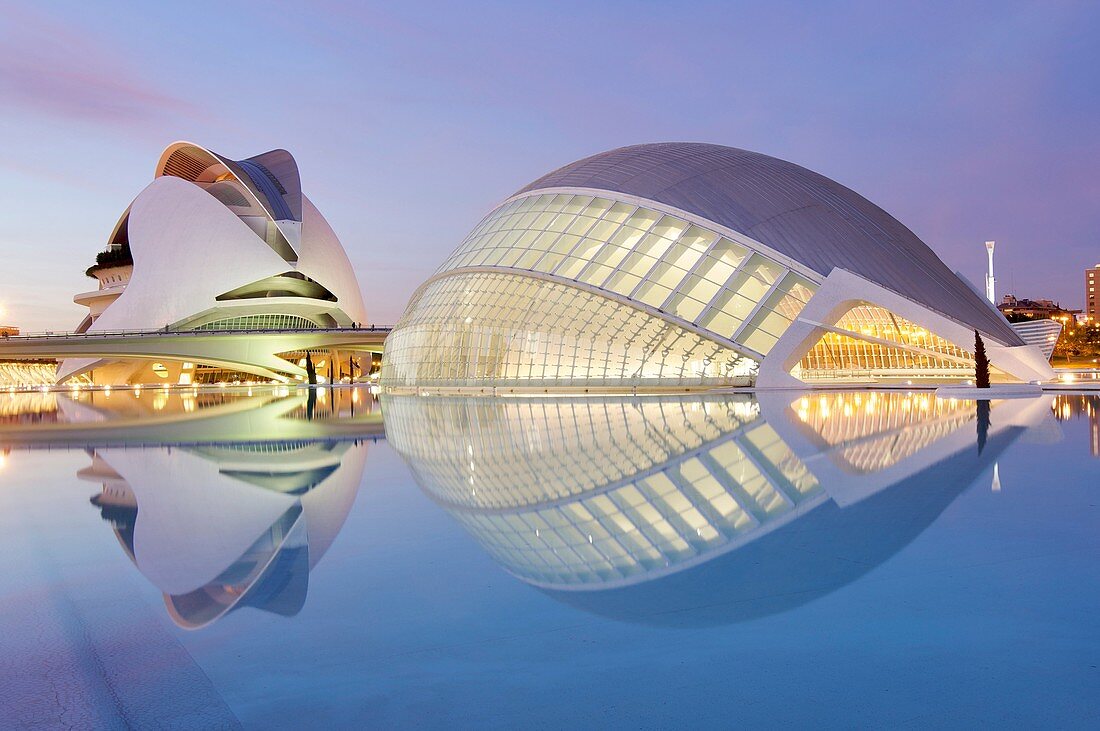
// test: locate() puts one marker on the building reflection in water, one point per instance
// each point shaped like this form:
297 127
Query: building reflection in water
217 528
1076 406
697 509
222 499
663 509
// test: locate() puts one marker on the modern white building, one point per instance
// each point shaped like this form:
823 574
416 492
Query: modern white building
684 264
215 244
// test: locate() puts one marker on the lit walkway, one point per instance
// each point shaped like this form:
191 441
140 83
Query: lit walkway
250 351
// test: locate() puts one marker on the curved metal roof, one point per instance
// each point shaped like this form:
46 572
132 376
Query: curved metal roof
795 211
272 177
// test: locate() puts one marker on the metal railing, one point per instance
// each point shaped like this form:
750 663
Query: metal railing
169 331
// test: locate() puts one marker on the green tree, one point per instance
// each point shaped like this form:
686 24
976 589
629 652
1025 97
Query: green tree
981 362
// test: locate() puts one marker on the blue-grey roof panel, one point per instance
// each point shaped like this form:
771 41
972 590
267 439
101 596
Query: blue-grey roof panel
795 211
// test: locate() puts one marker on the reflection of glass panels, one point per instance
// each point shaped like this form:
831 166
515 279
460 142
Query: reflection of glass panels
877 430
606 493
657 259
533 450
592 490
493 328
920 352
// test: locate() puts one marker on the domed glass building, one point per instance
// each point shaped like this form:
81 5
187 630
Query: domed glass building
685 264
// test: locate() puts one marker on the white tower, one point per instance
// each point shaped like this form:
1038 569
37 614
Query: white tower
990 282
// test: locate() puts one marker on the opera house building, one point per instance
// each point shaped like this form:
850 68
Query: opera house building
215 245
694 265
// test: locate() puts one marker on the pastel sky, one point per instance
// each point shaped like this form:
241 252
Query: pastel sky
967 121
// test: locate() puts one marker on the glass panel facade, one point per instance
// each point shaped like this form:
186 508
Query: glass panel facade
656 259
918 353
260 322
492 329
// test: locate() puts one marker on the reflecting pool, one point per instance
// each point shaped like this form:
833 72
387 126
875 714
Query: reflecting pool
288 558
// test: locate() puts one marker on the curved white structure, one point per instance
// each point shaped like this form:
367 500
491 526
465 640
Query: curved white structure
692 265
217 244
217 528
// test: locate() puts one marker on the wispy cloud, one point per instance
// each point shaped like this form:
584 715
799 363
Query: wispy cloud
49 68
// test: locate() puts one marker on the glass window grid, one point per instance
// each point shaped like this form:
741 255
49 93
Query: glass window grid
487 329
646 256
260 322
836 353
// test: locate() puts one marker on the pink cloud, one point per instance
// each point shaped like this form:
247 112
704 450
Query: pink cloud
49 69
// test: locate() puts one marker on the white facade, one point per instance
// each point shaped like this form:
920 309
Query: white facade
221 244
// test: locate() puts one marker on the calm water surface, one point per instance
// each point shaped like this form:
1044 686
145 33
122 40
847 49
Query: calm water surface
285 559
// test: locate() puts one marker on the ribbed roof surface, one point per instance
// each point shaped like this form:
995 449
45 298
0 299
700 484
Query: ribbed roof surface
795 211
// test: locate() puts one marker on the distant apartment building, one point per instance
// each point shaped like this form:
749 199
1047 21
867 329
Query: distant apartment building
1092 282
1016 308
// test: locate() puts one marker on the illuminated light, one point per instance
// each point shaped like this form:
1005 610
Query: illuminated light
803 414
1068 378
469 320
3 461
847 410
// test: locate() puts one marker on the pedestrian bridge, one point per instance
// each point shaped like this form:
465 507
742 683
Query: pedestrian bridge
250 351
